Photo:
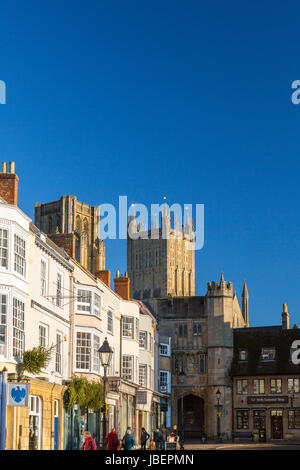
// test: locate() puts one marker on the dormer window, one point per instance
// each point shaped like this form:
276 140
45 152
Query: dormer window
243 355
268 354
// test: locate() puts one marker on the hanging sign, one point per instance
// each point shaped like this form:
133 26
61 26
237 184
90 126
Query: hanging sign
17 394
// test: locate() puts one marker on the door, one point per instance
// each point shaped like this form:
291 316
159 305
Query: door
35 421
56 406
276 424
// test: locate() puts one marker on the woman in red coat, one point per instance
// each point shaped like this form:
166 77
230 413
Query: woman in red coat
89 442
113 442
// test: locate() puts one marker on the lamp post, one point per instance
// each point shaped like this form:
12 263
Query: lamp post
105 353
218 396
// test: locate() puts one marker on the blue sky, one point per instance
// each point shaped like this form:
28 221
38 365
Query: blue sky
188 100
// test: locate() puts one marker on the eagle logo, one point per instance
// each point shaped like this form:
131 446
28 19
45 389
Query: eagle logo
18 394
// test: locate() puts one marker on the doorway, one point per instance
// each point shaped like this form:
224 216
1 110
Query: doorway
276 424
192 416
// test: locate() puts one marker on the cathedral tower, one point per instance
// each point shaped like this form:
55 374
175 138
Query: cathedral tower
74 226
160 266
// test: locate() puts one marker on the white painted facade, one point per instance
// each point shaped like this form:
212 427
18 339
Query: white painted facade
49 309
14 287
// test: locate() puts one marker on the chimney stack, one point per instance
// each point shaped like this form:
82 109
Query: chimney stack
9 184
104 276
122 286
285 318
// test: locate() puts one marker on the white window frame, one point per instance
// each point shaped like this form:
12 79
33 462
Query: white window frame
18 332
46 336
35 403
164 386
20 255
110 321
143 377
128 367
83 351
4 247
44 277
3 323
59 353
144 342
166 347
127 327
83 306
97 304
59 289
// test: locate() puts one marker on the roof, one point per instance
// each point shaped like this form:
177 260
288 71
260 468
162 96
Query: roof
256 338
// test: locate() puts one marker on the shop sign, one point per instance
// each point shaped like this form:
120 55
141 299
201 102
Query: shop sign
268 399
17 394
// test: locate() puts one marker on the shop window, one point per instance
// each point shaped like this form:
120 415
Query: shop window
294 419
242 419
259 419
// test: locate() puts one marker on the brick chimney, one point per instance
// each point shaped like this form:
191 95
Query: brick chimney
104 276
122 285
65 241
9 184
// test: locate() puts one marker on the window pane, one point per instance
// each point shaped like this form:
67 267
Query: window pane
83 351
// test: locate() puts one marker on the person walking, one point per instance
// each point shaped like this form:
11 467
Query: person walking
89 442
113 442
128 441
164 436
144 438
157 438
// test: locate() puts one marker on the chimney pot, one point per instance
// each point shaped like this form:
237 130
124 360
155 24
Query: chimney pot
4 167
11 167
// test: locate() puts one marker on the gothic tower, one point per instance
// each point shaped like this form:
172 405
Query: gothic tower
74 226
160 265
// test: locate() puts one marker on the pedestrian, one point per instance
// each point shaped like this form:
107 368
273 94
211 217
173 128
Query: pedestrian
144 438
89 442
157 438
128 441
113 442
164 435
203 437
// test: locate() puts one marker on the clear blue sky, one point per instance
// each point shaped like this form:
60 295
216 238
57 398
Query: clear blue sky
185 99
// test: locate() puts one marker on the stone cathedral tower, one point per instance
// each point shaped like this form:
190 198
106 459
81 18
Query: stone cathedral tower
74 226
158 266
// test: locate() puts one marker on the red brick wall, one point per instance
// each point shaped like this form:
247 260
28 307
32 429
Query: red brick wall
122 287
9 187
65 241
104 276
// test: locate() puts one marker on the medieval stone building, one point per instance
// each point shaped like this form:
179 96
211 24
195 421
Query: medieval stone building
201 329
74 226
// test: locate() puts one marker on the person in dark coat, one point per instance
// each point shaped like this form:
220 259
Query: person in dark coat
157 438
128 441
113 442
144 438
89 442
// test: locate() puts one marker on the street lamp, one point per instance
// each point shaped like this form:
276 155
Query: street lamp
218 396
105 353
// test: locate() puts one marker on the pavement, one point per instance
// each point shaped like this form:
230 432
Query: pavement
277 445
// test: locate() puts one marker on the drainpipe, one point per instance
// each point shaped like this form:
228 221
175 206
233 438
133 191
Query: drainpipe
3 385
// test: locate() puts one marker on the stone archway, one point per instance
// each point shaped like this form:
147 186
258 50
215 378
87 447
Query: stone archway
193 416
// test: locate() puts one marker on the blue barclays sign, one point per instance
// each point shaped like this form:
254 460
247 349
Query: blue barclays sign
17 394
